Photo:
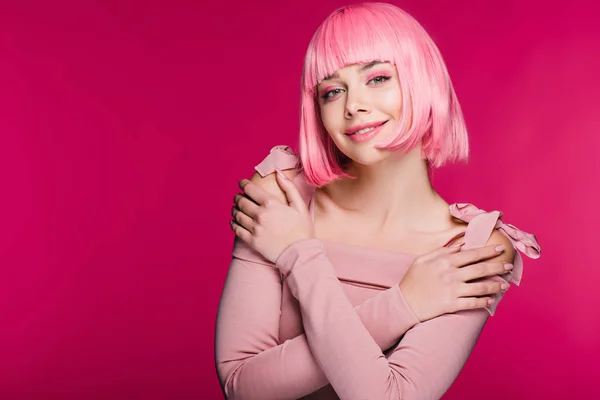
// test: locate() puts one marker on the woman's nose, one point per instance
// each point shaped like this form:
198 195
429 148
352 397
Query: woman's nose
356 104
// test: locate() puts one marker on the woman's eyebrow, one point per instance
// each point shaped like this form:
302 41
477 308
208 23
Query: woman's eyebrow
361 69
369 65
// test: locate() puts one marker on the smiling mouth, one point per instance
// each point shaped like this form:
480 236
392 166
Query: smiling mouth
365 130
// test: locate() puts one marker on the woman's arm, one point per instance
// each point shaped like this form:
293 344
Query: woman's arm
251 364
424 363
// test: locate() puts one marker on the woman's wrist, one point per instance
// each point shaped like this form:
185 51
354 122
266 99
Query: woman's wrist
297 251
404 308
407 295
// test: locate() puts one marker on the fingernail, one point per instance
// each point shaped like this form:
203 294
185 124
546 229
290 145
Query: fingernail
281 175
500 248
508 267
456 246
504 286
491 301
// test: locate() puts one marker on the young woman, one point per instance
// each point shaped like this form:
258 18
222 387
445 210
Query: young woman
351 277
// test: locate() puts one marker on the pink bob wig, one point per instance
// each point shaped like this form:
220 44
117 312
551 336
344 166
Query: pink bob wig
381 32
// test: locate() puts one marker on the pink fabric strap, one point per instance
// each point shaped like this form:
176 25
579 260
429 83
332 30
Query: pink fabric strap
280 157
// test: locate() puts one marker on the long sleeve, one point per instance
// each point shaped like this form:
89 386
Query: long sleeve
252 364
422 366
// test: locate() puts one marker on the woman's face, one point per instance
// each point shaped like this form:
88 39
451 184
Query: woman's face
358 104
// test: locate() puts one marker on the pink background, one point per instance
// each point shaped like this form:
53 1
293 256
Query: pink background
125 126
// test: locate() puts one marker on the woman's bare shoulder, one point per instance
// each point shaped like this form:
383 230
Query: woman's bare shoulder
497 238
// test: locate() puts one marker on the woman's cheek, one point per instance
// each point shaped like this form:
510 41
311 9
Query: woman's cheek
391 99
328 120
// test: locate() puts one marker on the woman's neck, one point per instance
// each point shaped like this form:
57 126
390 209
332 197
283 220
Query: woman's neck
392 195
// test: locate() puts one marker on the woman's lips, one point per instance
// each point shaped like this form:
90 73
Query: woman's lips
363 137
357 128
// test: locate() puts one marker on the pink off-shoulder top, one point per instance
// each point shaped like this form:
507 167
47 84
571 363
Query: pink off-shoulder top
328 321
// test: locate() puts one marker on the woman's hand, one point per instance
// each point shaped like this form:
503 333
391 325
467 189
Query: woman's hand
267 224
438 282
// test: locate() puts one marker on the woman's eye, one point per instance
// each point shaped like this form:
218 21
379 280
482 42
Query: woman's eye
330 93
380 79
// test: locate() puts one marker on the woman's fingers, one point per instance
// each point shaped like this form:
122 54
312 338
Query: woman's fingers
472 256
256 193
482 270
440 252
472 303
246 205
242 219
292 194
482 288
241 232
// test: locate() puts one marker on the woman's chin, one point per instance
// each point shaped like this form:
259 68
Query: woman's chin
368 156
